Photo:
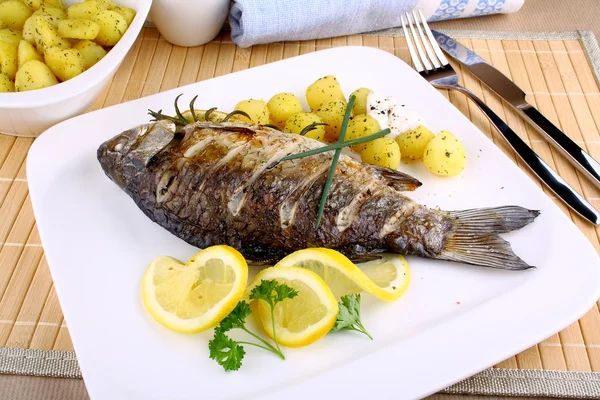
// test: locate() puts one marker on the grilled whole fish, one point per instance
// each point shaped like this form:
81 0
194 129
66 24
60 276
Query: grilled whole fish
224 183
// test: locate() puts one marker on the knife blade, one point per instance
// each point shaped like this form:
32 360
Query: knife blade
514 96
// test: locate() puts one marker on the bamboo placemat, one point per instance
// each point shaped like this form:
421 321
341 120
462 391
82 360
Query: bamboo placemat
555 73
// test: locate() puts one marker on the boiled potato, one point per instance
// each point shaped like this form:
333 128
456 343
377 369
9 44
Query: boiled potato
26 52
6 85
56 3
413 142
126 12
14 13
322 91
2 26
33 4
360 104
332 113
8 59
34 75
105 4
445 155
46 36
54 14
383 152
361 126
112 27
90 51
64 63
282 106
297 122
78 29
11 36
256 109
85 10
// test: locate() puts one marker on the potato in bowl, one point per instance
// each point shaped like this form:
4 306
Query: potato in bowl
66 54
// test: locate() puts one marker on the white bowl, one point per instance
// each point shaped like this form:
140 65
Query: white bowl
31 113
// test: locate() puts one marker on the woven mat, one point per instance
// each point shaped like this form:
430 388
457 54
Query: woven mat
554 70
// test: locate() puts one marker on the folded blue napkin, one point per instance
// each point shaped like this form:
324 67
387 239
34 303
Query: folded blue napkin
266 21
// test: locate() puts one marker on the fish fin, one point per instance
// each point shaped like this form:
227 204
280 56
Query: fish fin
474 238
398 180
493 220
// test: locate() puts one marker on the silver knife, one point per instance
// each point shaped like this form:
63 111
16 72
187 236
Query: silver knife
513 95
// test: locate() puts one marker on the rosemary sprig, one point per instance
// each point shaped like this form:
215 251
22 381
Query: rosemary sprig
311 127
337 146
179 114
208 112
336 157
272 126
192 111
236 112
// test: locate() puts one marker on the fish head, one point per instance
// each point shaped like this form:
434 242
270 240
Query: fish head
128 153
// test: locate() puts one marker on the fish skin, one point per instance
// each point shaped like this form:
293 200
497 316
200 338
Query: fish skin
232 189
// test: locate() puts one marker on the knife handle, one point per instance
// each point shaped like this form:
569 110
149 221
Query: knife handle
548 176
575 154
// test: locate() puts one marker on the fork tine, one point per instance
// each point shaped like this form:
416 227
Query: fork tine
411 49
420 50
434 44
432 57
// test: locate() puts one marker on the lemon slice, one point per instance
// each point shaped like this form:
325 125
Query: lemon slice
304 319
386 278
195 296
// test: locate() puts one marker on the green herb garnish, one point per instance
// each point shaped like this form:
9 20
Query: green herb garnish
272 126
310 127
336 146
208 112
192 111
229 353
236 112
336 157
348 318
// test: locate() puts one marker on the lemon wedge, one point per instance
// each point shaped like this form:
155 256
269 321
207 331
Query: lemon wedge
304 319
197 295
386 278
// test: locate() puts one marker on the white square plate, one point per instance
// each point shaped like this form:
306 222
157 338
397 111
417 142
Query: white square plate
454 320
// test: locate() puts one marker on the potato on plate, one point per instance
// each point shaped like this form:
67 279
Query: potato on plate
105 4
11 36
14 13
112 27
256 109
322 91
34 75
332 113
282 106
383 152
6 85
64 63
360 126
360 104
90 51
54 14
8 59
297 122
413 142
126 12
56 3
26 52
46 35
78 29
33 4
445 155
85 10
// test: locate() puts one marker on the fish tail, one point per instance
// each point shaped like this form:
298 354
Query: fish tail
474 238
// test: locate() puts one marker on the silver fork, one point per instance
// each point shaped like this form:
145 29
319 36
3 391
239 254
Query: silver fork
431 63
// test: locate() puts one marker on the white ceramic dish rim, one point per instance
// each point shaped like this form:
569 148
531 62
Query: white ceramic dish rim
445 361
86 80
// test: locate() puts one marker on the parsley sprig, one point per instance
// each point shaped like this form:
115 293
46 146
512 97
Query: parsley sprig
348 318
229 353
